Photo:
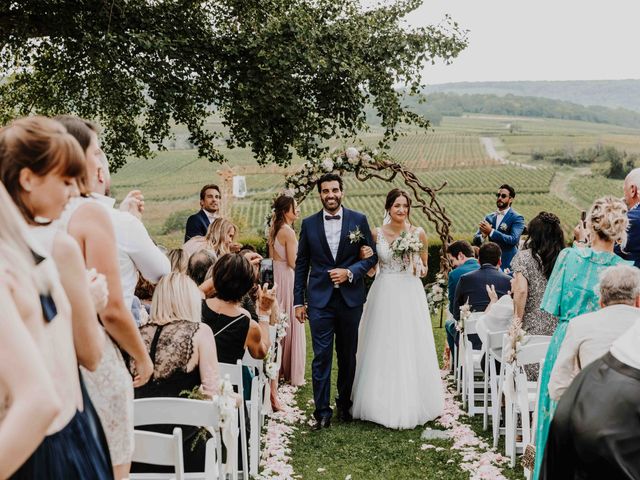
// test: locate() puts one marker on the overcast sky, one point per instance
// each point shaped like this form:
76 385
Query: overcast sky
539 39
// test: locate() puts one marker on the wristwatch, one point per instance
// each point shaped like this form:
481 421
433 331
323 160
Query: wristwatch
350 275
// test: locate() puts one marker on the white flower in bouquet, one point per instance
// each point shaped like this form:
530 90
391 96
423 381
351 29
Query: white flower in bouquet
351 153
465 313
356 236
407 243
281 326
338 162
327 165
366 157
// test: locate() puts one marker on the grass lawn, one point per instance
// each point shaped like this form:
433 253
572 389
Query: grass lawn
368 451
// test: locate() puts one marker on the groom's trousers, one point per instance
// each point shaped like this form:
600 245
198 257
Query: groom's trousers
342 321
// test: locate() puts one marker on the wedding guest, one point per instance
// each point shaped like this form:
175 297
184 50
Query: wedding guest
503 226
198 223
571 292
630 250
595 432
110 386
40 163
461 257
178 259
472 286
283 248
183 351
136 250
33 296
25 380
590 336
199 264
532 267
233 277
218 240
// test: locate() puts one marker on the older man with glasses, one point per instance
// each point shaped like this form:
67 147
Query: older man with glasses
504 226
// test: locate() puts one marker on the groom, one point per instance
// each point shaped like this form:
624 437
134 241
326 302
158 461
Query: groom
329 262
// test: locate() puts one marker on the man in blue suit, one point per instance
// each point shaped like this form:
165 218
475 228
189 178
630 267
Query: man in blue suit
472 286
504 226
330 271
631 249
198 223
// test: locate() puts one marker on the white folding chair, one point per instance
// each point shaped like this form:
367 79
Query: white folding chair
159 449
235 377
492 350
471 368
152 447
259 395
520 401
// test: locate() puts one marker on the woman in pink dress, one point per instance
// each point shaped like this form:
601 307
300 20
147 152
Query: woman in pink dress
283 247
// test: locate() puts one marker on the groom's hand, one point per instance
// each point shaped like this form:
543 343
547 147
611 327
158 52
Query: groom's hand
301 313
339 275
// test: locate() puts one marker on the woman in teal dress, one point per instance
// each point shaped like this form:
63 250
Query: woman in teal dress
571 291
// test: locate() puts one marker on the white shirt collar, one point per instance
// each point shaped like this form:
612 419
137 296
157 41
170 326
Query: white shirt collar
503 212
210 216
103 199
339 212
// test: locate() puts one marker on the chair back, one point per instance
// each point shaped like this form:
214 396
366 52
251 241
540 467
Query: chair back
534 350
471 323
172 411
235 374
160 449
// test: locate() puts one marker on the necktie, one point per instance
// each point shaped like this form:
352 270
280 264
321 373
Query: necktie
332 217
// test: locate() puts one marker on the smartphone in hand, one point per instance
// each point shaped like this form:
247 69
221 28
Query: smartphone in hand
583 218
266 272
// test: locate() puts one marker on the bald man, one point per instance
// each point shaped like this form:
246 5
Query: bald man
631 249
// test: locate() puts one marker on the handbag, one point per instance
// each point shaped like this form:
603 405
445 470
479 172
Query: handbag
528 459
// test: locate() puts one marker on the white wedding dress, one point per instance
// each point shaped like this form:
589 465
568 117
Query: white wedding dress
397 382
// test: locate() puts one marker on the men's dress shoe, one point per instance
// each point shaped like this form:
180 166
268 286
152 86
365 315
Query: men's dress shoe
324 422
344 415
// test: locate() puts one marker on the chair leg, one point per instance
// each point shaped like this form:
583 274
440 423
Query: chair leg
485 395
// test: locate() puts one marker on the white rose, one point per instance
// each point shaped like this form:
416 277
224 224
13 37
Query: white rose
351 153
366 157
327 165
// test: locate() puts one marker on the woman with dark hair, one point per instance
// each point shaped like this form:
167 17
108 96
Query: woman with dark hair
283 248
397 380
532 267
233 277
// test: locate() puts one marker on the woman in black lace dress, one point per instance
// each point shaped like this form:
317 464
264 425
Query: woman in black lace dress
183 352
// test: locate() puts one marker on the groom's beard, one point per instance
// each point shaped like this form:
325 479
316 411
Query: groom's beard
332 206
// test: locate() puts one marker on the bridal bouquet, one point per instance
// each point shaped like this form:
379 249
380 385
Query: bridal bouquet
408 247
407 244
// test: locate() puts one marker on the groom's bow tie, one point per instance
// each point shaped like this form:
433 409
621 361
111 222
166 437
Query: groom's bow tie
332 217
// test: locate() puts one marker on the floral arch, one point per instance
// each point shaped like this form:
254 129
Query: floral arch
366 164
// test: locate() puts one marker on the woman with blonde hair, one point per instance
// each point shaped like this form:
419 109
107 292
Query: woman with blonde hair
179 260
183 351
49 160
283 249
219 239
571 291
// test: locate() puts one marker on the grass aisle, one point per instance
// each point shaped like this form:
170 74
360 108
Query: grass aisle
363 450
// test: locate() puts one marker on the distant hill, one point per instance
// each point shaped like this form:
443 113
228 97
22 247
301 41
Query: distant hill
438 105
608 93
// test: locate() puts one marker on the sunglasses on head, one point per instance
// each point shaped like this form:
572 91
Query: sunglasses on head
502 195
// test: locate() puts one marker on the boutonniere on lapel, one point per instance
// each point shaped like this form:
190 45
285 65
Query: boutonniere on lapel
355 236
503 227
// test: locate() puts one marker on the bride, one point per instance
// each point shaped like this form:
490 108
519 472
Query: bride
397 382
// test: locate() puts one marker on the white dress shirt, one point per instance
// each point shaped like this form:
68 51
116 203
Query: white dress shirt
333 231
210 216
588 337
136 250
499 217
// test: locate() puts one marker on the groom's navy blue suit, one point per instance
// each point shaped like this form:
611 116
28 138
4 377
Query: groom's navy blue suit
332 310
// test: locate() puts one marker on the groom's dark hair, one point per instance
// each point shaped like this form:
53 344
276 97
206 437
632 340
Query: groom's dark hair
329 177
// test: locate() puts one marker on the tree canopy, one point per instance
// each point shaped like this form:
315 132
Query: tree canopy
283 76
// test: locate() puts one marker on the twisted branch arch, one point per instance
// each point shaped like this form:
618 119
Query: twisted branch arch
367 164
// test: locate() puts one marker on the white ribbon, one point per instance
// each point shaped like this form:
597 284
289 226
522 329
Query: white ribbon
226 402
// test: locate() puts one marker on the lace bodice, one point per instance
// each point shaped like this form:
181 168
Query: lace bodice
387 261
174 347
